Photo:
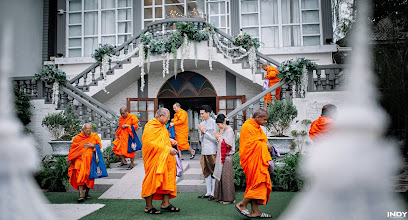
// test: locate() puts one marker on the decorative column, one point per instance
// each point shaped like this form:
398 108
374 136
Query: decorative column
351 172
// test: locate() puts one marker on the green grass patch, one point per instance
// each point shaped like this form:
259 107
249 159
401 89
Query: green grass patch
191 207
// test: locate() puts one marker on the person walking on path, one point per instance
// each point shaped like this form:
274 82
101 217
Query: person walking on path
79 161
160 164
255 157
120 148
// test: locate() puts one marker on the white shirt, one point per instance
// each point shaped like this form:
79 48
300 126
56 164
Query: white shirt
208 140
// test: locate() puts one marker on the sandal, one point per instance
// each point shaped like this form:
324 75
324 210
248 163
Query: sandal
263 215
192 156
243 212
130 167
152 211
122 164
171 208
80 199
87 196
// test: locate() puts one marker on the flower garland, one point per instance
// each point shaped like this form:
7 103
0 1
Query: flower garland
210 51
51 74
102 51
293 71
141 64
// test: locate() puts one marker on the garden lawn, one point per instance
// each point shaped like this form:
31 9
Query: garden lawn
191 207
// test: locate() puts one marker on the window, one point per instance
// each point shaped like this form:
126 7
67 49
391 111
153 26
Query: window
154 10
227 104
218 11
219 15
143 108
94 22
282 23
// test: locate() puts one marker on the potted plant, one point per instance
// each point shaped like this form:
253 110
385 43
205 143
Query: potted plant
63 126
281 115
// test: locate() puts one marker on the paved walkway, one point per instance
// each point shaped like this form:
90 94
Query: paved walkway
73 211
130 185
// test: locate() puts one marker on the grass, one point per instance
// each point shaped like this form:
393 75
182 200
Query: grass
191 207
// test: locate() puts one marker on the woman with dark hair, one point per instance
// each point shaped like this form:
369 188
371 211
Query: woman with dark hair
224 185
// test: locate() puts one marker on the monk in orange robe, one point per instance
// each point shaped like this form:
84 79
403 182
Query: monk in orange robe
160 164
180 124
255 155
79 161
120 147
322 126
271 74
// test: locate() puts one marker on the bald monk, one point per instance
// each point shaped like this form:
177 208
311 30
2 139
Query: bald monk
323 125
79 160
271 74
120 148
255 155
180 124
160 164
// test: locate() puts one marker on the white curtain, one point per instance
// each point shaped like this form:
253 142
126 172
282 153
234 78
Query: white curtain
269 12
108 4
291 14
108 22
91 4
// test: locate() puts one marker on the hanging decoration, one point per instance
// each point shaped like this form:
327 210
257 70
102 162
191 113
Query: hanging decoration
295 71
51 74
184 34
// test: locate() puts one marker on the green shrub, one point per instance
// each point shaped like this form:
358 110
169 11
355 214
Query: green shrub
63 125
239 176
281 114
53 175
23 106
109 157
287 178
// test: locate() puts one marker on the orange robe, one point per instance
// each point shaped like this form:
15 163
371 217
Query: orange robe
254 155
181 129
121 143
160 166
81 158
271 74
320 127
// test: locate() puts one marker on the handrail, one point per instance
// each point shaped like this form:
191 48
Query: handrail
159 22
86 103
102 106
254 100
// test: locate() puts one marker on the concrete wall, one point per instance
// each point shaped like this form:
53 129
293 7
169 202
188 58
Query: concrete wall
27 15
41 135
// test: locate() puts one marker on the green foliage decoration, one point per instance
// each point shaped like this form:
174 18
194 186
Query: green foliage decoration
109 157
281 115
292 70
53 175
287 178
239 176
247 41
106 49
23 106
51 74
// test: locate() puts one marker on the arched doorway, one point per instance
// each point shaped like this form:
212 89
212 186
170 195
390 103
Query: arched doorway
191 90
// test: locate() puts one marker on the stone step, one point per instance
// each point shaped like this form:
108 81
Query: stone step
192 174
191 186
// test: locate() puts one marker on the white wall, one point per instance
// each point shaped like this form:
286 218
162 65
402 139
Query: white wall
119 100
41 135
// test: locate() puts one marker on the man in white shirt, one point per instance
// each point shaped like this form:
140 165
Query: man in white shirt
208 150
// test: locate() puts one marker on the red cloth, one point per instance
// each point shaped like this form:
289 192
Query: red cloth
225 148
